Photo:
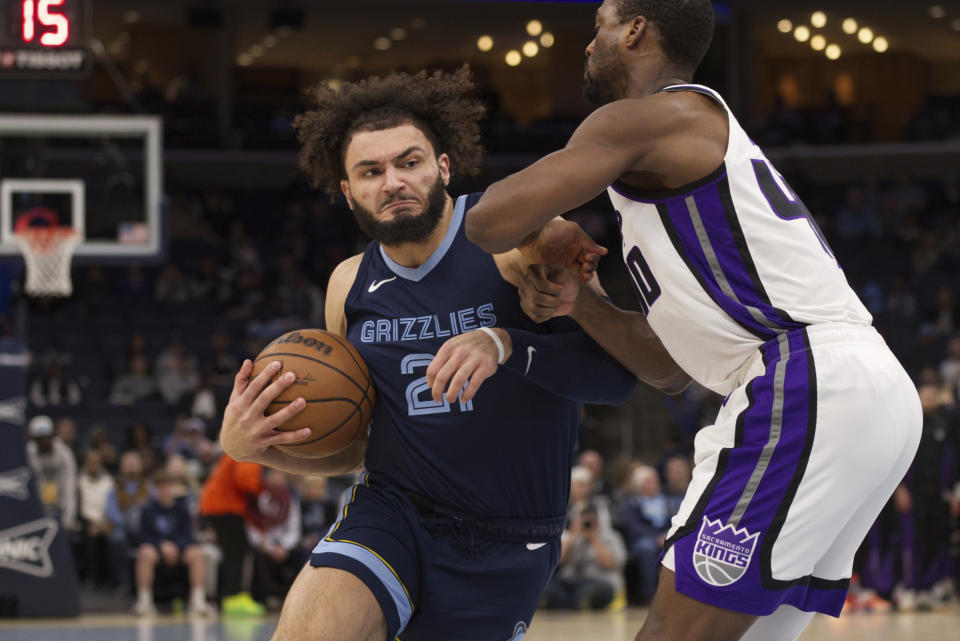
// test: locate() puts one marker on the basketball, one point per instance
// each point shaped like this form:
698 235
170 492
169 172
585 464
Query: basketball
332 378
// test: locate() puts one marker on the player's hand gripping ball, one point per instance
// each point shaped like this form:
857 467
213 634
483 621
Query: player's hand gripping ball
333 380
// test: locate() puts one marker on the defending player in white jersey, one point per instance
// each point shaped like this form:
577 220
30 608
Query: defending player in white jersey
820 421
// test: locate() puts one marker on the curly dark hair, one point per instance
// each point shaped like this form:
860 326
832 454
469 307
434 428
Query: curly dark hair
686 27
443 106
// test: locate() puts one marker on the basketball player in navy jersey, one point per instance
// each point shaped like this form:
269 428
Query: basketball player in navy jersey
454 531
820 421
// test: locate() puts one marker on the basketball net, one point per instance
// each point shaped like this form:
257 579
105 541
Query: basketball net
47 252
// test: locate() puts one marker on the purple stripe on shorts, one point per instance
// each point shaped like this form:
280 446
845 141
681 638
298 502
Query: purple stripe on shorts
723 556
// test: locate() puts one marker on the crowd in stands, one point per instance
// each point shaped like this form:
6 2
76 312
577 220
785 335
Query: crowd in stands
134 370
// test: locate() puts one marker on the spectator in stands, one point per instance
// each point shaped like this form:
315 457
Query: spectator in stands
66 431
644 519
131 492
593 461
925 500
204 403
856 220
95 486
273 529
167 537
592 554
950 367
223 361
171 286
136 384
140 439
677 473
99 440
177 374
942 319
224 503
901 302
318 511
186 487
189 440
55 471
53 388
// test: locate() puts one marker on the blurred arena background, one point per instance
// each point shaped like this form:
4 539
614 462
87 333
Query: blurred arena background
156 137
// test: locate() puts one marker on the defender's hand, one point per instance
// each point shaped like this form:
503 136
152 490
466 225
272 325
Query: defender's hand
562 243
246 431
468 359
547 292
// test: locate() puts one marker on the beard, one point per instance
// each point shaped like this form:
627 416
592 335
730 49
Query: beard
405 228
608 82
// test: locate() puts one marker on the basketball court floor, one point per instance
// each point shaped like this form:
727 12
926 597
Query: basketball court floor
942 625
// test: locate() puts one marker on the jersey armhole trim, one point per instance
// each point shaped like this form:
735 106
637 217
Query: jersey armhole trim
653 197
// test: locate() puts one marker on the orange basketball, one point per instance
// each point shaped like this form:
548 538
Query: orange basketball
332 378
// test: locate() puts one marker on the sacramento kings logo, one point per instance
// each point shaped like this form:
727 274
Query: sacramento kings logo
722 554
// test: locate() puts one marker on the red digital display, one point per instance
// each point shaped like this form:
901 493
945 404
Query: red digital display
42 18
44 37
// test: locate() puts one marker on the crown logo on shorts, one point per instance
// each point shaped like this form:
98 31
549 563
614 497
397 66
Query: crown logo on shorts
722 553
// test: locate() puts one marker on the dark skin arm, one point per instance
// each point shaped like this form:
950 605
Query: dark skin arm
662 141
547 292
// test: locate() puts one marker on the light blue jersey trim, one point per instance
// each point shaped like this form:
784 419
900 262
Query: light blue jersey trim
376 565
417 274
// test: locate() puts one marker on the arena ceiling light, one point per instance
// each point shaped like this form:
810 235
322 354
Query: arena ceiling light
881 44
513 58
818 43
244 60
256 50
131 17
382 43
270 41
865 35
785 26
530 48
802 33
418 23
937 12
534 27
834 52
850 26
955 24
546 39
819 19
398 33
485 43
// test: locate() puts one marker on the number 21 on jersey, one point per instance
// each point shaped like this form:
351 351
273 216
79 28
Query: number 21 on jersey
419 399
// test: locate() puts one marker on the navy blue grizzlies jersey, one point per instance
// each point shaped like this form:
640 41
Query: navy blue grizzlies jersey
506 453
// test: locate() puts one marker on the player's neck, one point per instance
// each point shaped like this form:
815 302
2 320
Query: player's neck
645 82
413 255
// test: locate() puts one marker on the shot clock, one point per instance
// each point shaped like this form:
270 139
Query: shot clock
44 38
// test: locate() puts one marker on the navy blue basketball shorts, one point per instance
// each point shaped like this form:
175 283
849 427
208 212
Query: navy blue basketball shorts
434 578
788 481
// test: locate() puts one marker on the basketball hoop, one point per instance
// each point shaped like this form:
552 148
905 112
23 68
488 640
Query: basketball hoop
47 251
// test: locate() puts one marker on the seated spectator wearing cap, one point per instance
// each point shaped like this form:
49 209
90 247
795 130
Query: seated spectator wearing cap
55 471
167 539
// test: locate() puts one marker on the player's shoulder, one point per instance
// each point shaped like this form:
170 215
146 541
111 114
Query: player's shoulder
658 112
344 274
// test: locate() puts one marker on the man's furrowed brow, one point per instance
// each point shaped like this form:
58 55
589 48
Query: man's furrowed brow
402 154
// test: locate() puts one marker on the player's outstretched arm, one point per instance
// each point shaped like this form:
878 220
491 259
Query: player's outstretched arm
548 293
606 145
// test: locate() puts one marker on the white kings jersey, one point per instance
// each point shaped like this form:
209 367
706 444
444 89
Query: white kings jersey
728 263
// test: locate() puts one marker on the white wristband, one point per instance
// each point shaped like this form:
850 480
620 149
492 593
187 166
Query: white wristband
501 352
